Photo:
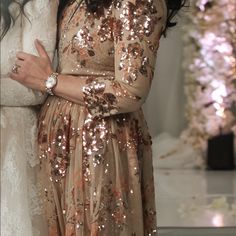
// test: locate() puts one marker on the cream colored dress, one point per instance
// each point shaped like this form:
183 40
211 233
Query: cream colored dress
21 207
96 158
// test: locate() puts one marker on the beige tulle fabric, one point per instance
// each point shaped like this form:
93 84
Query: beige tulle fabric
96 160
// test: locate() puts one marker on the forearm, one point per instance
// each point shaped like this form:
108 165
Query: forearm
101 95
71 88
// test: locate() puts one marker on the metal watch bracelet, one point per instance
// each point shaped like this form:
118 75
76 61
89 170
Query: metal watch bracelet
51 83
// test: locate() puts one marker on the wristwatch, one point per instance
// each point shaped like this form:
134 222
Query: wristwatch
51 83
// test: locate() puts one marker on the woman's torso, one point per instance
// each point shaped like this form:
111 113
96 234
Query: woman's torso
86 48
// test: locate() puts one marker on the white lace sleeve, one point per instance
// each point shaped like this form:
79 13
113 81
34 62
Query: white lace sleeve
15 94
21 204
41 24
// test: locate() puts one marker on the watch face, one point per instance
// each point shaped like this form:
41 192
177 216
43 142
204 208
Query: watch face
50 82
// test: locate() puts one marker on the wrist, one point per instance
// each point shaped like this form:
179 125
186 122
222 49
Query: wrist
51 83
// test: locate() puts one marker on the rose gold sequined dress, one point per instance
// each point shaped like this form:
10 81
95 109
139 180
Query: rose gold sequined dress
96 158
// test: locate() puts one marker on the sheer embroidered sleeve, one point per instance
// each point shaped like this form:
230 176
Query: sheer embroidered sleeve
137 28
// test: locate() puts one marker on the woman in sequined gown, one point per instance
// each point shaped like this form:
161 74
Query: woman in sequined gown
95 149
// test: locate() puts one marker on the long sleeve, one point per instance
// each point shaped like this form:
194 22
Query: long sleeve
38 22
137 28
16 94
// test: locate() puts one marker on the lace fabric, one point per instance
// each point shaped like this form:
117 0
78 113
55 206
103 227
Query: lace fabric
20 201
21 204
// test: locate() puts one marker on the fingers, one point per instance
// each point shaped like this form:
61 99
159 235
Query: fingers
16 69
41 50
19 62
23 55
13 76
17 74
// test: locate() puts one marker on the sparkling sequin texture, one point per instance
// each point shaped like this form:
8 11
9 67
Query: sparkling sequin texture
143 23
96 161
105 29
132 62
97 101
83 40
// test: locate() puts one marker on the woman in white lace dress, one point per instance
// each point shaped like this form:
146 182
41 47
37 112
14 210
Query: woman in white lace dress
22 22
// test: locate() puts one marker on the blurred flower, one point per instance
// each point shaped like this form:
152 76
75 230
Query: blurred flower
209 63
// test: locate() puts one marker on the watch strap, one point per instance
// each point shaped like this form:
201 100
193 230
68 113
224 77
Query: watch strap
50 90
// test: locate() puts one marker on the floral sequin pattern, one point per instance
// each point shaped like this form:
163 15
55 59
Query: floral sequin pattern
99 102
105 29
112 207
136 136
83 41
120 92
95 139
139 18
133 62
58 147
60 158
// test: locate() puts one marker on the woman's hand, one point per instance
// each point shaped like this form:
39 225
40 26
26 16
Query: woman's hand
32 71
